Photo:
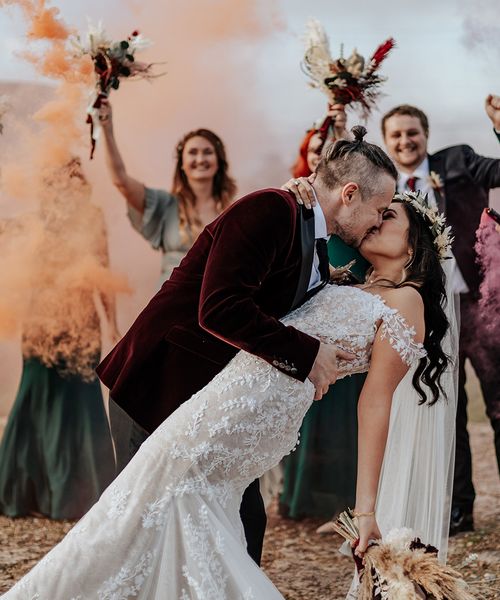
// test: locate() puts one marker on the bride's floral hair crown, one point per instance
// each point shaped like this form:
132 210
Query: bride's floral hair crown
435 220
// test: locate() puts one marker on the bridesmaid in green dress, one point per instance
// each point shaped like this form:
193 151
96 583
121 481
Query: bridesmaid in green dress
320 475
56 454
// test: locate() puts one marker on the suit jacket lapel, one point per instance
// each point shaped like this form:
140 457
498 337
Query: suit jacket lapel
436 165
307 236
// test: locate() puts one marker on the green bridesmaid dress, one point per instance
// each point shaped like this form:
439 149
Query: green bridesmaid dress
56 454
320 474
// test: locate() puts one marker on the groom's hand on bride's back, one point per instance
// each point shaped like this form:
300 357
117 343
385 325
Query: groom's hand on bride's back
325 368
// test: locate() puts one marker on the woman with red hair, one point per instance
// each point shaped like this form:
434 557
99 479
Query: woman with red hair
309 153
332 128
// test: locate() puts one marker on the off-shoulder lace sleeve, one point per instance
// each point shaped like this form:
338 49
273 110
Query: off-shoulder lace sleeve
401 336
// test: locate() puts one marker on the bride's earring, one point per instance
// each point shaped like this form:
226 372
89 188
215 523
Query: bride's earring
404 274
410 259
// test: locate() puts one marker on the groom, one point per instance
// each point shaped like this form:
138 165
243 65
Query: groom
260 259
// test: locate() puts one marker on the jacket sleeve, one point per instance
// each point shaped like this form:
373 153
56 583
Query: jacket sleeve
250 237
484 171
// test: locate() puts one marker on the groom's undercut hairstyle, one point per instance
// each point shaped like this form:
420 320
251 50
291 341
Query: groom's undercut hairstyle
357 161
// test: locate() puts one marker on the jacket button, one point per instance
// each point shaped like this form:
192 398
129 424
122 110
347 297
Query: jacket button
294 370
282 365
276 363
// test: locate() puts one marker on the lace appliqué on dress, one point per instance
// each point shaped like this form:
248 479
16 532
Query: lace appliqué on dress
118 503
129 580
206 548
401 337
349 317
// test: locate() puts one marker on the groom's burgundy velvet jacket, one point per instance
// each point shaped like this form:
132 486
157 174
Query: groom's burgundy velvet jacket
228 293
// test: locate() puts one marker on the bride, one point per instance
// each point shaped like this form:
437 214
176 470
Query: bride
168 527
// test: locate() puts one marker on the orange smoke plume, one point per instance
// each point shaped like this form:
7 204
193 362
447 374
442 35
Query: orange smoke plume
53 260
44 22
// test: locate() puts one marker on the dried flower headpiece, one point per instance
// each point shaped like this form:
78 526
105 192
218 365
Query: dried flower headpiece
434 219
344 80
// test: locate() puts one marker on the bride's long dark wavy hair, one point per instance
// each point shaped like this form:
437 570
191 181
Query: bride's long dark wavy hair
425 273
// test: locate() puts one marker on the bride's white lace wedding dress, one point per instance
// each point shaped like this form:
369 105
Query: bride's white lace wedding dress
168 528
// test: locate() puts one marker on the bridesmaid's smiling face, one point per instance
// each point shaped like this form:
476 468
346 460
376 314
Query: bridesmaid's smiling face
199 159
391 240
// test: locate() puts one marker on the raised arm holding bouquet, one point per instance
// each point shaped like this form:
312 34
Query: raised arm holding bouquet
113 61
346 81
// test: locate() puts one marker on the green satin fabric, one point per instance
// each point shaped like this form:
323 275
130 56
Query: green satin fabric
340 254
56 455
320 475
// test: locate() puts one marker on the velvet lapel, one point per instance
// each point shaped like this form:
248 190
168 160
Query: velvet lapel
436 165
307 236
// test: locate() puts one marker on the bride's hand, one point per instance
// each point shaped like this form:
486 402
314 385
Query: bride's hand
302 189
368 530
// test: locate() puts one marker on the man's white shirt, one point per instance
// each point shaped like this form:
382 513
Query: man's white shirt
423 183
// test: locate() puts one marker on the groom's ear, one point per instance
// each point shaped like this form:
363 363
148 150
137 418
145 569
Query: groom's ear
349 193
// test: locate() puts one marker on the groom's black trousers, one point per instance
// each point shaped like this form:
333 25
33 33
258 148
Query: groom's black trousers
128 437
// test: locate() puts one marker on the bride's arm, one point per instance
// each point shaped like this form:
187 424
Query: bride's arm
374 408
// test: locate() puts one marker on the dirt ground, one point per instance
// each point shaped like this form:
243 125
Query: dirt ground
304 565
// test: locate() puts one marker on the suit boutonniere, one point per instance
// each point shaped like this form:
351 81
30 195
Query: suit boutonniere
436 181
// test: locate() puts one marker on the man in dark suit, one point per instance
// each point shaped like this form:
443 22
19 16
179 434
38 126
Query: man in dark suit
458 180
262 257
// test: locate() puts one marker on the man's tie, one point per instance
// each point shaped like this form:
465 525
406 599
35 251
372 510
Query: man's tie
411 183
324 263
323 267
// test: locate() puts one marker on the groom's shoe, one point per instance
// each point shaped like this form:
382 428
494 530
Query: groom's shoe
461 520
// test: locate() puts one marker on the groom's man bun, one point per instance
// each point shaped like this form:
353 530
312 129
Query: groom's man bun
355 160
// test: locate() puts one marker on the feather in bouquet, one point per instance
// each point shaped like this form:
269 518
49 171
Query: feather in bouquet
5 106
401 567
113 61
347 81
